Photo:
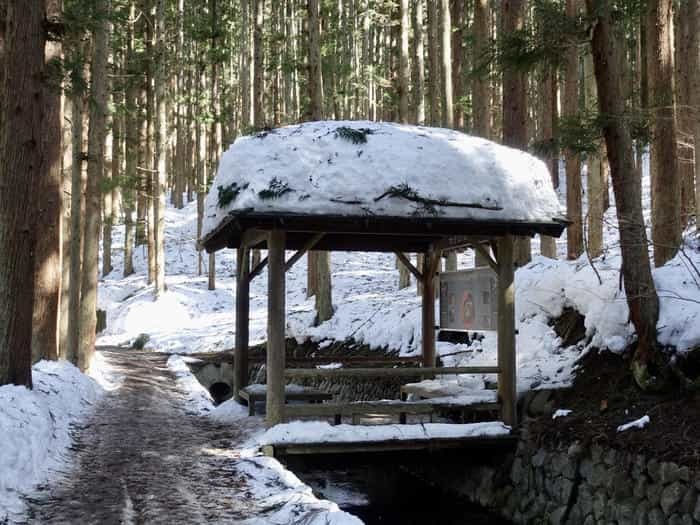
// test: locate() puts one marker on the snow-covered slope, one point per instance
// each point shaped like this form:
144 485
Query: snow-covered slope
35 428
370 308
316 168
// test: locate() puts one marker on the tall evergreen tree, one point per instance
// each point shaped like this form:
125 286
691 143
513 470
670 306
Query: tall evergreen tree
95 168
515 96
640 290
20 172
572 160
47 274
665 177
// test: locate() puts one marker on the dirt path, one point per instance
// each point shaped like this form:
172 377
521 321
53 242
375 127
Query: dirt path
143 458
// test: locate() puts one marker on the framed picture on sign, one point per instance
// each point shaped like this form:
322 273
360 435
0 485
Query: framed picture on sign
468 300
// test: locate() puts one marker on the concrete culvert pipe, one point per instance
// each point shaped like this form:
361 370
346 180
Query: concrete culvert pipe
220 392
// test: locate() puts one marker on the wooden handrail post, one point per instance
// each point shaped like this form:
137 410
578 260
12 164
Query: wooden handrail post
428 309
506 332
275 327
240 356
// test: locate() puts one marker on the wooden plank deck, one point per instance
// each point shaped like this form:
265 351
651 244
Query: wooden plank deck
368 447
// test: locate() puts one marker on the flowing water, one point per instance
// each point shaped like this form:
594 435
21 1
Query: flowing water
379 491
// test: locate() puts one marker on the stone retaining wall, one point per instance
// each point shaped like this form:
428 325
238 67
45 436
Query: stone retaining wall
348 388
576 485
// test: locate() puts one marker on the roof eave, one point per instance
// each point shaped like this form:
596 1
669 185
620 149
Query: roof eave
368 226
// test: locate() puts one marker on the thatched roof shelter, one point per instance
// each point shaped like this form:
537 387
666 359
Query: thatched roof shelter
370 186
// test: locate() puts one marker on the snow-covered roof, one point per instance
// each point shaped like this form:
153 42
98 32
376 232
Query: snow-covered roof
385 170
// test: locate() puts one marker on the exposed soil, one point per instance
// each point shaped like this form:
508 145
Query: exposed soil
604 396
143 458
570 326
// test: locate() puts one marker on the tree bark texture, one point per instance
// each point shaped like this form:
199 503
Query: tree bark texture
418 62
258 77
693 13
20 171
315 75
689 107
434 62
131 145
594 181
78 105
245 65
96 163
572 160
666 184
66 170
448 117
404 74
161 146
480 83
548 245
47 262
457 8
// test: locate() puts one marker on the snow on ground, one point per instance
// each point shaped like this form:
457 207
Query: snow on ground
368 307
311 168
561 412
276 490
293 502
189 318
35 427
199 397
637 423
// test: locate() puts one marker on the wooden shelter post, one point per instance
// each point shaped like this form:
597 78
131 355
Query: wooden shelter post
275 327
506 331
240 356
432 259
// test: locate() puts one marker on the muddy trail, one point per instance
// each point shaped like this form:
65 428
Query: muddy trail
142 457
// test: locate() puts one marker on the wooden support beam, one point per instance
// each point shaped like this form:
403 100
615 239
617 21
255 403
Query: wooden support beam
459 242
292 260
388 372
240 358
257 270
366 408
299 254
275 328
253 237
479 444
481 250
430 265
506 332
408 264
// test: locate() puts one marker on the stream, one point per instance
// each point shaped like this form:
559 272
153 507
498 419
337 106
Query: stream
379 491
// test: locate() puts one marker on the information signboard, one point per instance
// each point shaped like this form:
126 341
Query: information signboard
468 300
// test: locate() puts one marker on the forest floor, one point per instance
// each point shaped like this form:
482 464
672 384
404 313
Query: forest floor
144 456
604 397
